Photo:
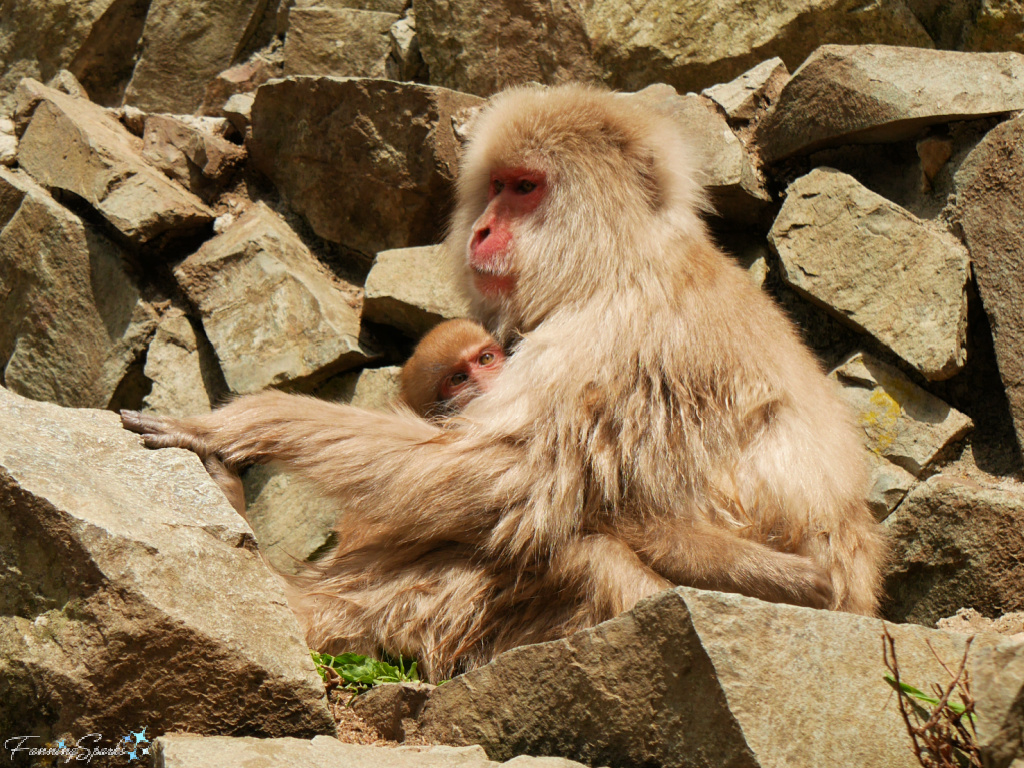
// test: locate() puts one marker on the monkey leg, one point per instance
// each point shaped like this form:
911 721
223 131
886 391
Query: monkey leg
713 558
608 575
229 482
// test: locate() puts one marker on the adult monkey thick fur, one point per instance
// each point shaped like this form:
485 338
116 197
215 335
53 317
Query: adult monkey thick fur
659 421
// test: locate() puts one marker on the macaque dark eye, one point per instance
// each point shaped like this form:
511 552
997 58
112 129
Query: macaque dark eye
497 186
458 379
525 187
486 358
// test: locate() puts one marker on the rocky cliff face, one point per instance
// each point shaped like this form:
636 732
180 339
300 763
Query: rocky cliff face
201 198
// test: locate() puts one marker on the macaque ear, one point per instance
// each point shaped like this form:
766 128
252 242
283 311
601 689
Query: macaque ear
465 122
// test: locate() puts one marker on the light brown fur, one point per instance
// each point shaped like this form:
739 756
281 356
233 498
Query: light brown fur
659 422
445 348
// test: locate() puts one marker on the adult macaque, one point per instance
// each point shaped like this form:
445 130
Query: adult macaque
659 421
454 363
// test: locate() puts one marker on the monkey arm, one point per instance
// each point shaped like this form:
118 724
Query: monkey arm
418 478
715 558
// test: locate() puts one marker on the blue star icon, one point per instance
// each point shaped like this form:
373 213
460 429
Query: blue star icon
140 737
60 745
133 756
126 738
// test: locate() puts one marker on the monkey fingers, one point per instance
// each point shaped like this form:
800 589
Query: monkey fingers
165 432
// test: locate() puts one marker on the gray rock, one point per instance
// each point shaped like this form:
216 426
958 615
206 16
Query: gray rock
752 91
876 267
875 93
74 145
414 289
902 423
368 163
990 213
957 545
125 580
480 46
182 751
890 484
376 388
291 519
272 312
692 678
194 158
727 172
184 374
185 44
997 682
71 320
393 708
337 41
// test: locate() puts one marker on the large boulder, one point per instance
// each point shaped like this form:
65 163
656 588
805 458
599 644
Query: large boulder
877 268
481 46
272 312
692 678
71 319
956 545
71 144
185 43
368 163
990 213
876 93
131 593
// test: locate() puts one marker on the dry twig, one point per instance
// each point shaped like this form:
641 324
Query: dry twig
947 738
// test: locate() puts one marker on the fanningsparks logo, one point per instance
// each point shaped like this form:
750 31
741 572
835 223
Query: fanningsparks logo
134 746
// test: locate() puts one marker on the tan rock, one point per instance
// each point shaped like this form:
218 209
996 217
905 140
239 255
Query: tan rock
185 44
134 581
876 93
368 163
754 90
710 676
481 46
71 320
273 314
726 170
74 145
337 41
414 289
902 423
184 374
877 268
193 157
990 212
185 751
292 521
956 544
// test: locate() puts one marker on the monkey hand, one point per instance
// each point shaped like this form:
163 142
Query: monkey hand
166 432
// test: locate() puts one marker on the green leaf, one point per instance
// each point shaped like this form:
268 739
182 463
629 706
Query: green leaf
917 693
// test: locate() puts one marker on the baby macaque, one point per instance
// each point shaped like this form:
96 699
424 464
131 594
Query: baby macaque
454 363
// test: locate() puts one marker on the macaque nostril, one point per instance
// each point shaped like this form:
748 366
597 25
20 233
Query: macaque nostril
481 235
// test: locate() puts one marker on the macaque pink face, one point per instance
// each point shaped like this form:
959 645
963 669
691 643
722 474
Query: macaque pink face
513 195
474 372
